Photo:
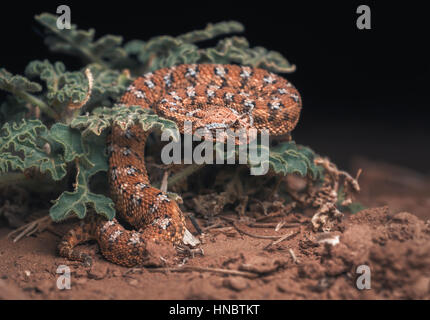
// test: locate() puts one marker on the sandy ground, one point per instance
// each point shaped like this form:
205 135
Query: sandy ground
392 238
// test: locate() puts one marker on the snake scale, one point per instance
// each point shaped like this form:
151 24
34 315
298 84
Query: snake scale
211 96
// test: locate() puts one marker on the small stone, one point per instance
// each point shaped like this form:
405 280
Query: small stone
282 287
97 273
237 284
422 287
27 273
133 282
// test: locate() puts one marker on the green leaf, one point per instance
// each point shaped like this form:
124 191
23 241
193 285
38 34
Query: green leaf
285 158
14 83
352 207
105 51
109 85
102 118
355 207
31 139
288 157
212 31
99 120
69 139
81 197
162 51
166 51
63 87
8 160
237 50
22 88
13 109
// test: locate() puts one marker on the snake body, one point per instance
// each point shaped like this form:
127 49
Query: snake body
211 96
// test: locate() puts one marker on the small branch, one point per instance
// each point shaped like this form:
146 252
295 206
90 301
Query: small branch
164 182
332 170
271 215
28 229
38 102
213 226
90 80
293 256
273 225
181 175
250 234
203 269
84 52
282 238
276 238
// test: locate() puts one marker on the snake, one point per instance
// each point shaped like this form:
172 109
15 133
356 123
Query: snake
212 97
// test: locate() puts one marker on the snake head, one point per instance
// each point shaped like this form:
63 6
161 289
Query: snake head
221 120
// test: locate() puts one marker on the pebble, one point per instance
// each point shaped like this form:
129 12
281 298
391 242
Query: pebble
97 273
237 284
133 282
422 287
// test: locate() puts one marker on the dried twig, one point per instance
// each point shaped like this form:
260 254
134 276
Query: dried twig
334 171
279 225
282 238
271 215
273 225
326 197
163 187
253 235
80 104
194 221
263 271
30 228
213 226
226 230
262 206
286 209
203 269
234 223
293 255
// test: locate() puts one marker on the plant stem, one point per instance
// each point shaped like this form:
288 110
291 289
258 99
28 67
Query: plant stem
86 53
181 175
38 102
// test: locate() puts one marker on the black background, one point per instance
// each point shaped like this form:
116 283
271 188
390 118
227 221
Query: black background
365 92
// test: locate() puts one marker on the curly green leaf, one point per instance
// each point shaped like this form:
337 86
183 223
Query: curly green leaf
237 50
104 51
78 200
31 139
